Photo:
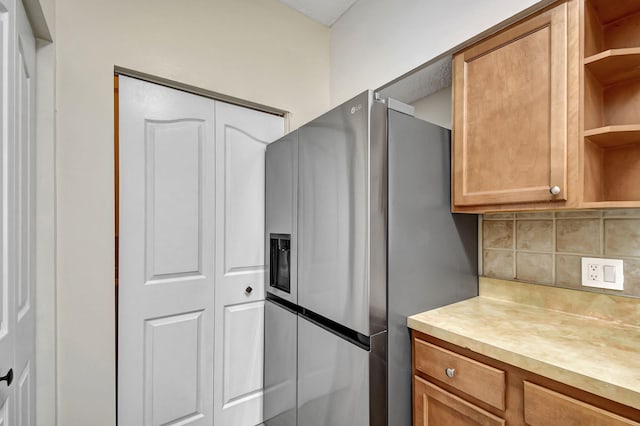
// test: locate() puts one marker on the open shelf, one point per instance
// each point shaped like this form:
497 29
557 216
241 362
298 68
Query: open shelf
611 24
614 65
611 109
611 204
617 104
611 173
613 136
611 10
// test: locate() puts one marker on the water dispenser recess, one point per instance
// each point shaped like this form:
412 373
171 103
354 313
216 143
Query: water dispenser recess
280 266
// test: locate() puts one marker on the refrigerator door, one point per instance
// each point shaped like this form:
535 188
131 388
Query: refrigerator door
280 360
333 379
281 194
336 224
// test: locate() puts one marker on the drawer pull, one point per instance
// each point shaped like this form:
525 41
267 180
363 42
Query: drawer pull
450 372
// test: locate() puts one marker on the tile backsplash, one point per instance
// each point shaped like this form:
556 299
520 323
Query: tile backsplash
546 247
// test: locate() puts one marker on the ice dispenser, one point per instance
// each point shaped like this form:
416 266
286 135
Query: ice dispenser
280 260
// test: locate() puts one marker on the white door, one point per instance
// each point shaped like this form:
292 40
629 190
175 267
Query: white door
17 316
166 266
241 139
24 368
190 336
8 246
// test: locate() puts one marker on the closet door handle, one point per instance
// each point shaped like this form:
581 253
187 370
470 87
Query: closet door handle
8 377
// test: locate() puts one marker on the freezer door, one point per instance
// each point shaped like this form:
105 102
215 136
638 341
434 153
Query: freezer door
281 193
334 220
333 379
280 355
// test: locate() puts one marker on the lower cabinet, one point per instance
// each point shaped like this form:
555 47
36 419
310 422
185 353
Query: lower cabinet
434 406
545 407
454 386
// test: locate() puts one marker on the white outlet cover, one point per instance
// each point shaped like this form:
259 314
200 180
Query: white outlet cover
593 273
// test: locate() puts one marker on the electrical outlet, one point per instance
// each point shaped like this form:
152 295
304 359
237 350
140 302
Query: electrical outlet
593 272
603 273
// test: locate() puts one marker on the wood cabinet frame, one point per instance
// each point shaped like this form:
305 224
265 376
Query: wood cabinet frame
562 24
562 19
610 110
516 378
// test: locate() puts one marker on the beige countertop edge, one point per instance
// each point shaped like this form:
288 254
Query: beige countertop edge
623 395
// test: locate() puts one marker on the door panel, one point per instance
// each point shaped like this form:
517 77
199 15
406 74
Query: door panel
243 351
333 215
17 191
170 342
510 140
281 212
25 170
166 270
175 176
4 414
333 379
434 406
23 88
241 139
6 134
280 365
23 394
244 229
8 213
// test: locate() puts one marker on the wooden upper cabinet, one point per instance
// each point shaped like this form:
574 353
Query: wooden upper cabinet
515 102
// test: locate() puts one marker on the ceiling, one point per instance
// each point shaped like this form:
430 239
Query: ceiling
324 11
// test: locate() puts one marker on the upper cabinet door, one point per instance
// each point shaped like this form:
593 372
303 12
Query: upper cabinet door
512 112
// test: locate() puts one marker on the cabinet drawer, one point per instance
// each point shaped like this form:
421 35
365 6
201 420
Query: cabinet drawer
544 407
478 380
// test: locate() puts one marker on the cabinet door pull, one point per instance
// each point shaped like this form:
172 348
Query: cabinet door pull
554 190
450 372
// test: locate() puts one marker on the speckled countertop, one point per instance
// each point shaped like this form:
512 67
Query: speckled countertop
586 340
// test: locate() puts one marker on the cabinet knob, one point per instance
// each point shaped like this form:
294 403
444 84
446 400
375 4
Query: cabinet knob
450 372
248 290
554 190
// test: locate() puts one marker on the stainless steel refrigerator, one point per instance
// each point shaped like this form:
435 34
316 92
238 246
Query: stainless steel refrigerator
359 235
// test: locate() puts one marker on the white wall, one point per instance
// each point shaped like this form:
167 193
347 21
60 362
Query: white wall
48 9
435 108
377 41
45 282
45 263
260 51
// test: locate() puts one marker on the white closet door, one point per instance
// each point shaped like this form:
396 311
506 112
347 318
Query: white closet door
8 211
17 195
166 267
190 335
24 367
241 139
